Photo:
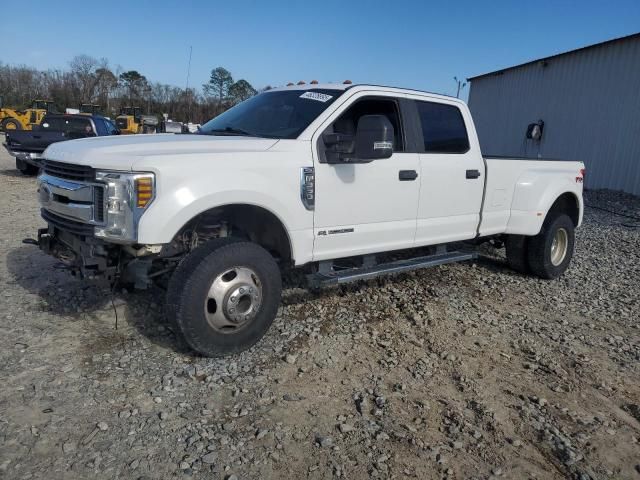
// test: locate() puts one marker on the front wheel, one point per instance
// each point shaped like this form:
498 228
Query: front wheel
224 296
551 250
26 168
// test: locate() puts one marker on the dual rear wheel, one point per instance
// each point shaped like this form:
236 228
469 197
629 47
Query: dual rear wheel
546 255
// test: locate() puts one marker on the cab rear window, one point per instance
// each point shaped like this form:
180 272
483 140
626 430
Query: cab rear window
67 124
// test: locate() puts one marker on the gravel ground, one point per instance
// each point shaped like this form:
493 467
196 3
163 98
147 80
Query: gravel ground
462 371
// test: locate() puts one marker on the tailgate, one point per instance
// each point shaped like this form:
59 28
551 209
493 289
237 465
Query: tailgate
34 142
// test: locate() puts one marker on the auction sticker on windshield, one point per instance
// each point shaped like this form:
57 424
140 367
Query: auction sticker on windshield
320 97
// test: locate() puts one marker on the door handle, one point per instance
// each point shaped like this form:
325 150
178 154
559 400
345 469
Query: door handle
473 174
407 175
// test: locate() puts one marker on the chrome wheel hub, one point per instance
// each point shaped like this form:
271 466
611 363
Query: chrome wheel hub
559 246
233 300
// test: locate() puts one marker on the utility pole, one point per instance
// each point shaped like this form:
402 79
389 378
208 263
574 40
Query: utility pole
189 67
461 86
186 90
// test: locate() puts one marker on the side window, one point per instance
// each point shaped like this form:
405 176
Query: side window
101 127
111 127
348 121
443 128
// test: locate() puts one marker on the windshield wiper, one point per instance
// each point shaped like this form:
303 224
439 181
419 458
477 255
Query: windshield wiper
231 131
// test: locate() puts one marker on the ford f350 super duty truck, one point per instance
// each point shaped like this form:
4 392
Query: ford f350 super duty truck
326 178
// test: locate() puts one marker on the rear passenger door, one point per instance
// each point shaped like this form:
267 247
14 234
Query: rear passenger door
452 172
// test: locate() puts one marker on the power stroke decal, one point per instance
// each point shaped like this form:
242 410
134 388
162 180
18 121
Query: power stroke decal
319 97
334 232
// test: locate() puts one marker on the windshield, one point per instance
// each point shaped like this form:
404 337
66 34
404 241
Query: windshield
279 114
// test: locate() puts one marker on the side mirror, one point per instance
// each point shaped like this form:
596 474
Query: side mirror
374 138
340 147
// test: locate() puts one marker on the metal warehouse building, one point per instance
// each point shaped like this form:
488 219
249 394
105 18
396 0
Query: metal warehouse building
586 101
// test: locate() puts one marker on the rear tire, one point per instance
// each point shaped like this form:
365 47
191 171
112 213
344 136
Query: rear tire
517 247
26 168
551 250
224 296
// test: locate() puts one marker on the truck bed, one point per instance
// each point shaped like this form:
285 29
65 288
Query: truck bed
518 190
32 142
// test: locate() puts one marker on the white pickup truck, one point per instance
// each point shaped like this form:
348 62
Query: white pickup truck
326 178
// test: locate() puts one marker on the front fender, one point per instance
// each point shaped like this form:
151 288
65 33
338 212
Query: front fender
268 181
160 225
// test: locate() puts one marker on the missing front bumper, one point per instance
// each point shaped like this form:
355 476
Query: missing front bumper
86 257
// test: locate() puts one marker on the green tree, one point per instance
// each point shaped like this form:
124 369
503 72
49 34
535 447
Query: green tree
241 90
219 83
134 83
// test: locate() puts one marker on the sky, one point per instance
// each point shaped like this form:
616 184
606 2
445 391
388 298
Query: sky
412 44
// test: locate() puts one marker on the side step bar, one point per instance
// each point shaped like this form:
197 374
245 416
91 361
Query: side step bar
322 279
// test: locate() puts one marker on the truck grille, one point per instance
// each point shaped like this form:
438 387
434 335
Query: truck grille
67 225
68 171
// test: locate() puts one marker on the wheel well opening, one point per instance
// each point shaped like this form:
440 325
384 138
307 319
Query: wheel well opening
567 203
242 221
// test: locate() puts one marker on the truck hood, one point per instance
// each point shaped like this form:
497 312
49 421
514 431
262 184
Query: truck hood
120 152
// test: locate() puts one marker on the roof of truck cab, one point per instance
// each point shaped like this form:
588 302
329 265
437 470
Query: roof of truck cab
348 86
74 115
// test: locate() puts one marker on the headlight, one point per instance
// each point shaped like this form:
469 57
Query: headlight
126 197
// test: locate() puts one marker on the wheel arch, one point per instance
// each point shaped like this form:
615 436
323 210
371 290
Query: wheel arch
256 223
567 203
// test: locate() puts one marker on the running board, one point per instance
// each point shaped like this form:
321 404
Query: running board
322 279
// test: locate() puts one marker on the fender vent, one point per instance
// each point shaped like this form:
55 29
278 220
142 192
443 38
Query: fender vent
98 204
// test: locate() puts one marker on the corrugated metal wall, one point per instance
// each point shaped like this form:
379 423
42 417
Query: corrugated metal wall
589 101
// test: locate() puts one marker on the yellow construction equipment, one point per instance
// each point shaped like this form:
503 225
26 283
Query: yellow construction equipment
12 119
131 120
89 109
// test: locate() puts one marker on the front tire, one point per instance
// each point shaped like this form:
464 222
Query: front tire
224 296
26 168
551 250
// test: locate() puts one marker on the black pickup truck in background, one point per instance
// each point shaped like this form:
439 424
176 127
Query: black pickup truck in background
27 146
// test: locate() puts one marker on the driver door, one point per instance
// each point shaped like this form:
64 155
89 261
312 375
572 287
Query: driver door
370 207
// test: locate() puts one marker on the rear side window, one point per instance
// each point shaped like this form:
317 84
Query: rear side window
443 128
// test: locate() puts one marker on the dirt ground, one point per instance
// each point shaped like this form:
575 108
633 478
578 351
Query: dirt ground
466 371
